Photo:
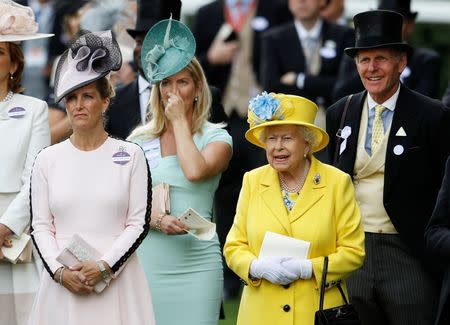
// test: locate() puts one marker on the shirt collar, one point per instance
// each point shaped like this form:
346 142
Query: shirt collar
143 84
389 104
234 3
313 32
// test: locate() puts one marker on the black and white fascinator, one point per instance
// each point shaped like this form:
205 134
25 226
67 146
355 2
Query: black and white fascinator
92 56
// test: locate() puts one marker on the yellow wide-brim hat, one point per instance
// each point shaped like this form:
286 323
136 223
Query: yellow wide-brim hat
279 109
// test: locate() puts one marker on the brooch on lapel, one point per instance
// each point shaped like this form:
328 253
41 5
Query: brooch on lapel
401 132
398 149
328 51
343 134
316 179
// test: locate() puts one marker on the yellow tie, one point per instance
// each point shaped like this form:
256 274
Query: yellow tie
378 128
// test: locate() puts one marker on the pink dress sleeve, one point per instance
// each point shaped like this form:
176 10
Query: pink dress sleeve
138 218
42 226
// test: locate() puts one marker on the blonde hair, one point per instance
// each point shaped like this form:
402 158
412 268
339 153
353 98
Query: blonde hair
155 127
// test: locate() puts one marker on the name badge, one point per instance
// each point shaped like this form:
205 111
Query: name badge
152 150
16 112
121 157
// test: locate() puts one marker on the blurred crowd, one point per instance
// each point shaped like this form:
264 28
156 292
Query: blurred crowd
266 66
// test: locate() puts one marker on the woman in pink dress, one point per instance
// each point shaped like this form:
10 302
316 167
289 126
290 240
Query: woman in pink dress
90 200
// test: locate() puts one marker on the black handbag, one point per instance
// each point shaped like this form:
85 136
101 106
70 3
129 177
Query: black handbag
340 315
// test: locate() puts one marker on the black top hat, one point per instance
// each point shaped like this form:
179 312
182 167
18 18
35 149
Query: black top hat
152 11
377 29
400 6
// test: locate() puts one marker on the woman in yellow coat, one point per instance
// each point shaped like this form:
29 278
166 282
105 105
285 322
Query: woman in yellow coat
295 195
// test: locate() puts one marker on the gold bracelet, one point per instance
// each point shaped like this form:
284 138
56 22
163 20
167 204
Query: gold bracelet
158 221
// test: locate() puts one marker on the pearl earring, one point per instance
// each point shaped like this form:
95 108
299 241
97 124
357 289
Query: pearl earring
196 99
11 76
305 153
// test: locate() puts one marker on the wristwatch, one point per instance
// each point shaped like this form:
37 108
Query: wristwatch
103 272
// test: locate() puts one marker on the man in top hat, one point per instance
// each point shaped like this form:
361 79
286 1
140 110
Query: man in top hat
394 143
422 72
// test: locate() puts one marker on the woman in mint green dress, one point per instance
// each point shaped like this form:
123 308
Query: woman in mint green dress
189 153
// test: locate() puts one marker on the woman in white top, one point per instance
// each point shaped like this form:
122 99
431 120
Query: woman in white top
24 132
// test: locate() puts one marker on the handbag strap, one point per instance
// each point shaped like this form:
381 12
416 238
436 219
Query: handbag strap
342 293
341 125
324 280
323 283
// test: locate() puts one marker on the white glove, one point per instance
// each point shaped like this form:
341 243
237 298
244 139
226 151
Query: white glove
271 269
301 268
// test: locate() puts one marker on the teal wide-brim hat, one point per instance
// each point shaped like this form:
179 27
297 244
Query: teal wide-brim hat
168 48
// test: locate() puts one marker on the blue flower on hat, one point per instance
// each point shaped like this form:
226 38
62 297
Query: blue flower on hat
264 106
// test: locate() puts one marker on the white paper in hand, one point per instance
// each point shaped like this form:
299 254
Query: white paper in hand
279 245
198 226
19 243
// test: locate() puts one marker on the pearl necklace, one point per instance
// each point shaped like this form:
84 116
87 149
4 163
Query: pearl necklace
300 183
8 97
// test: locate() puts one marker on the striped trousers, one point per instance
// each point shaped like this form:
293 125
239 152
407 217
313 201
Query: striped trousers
392 288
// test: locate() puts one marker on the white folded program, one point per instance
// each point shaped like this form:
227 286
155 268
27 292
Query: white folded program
280 245
18 244
199 227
